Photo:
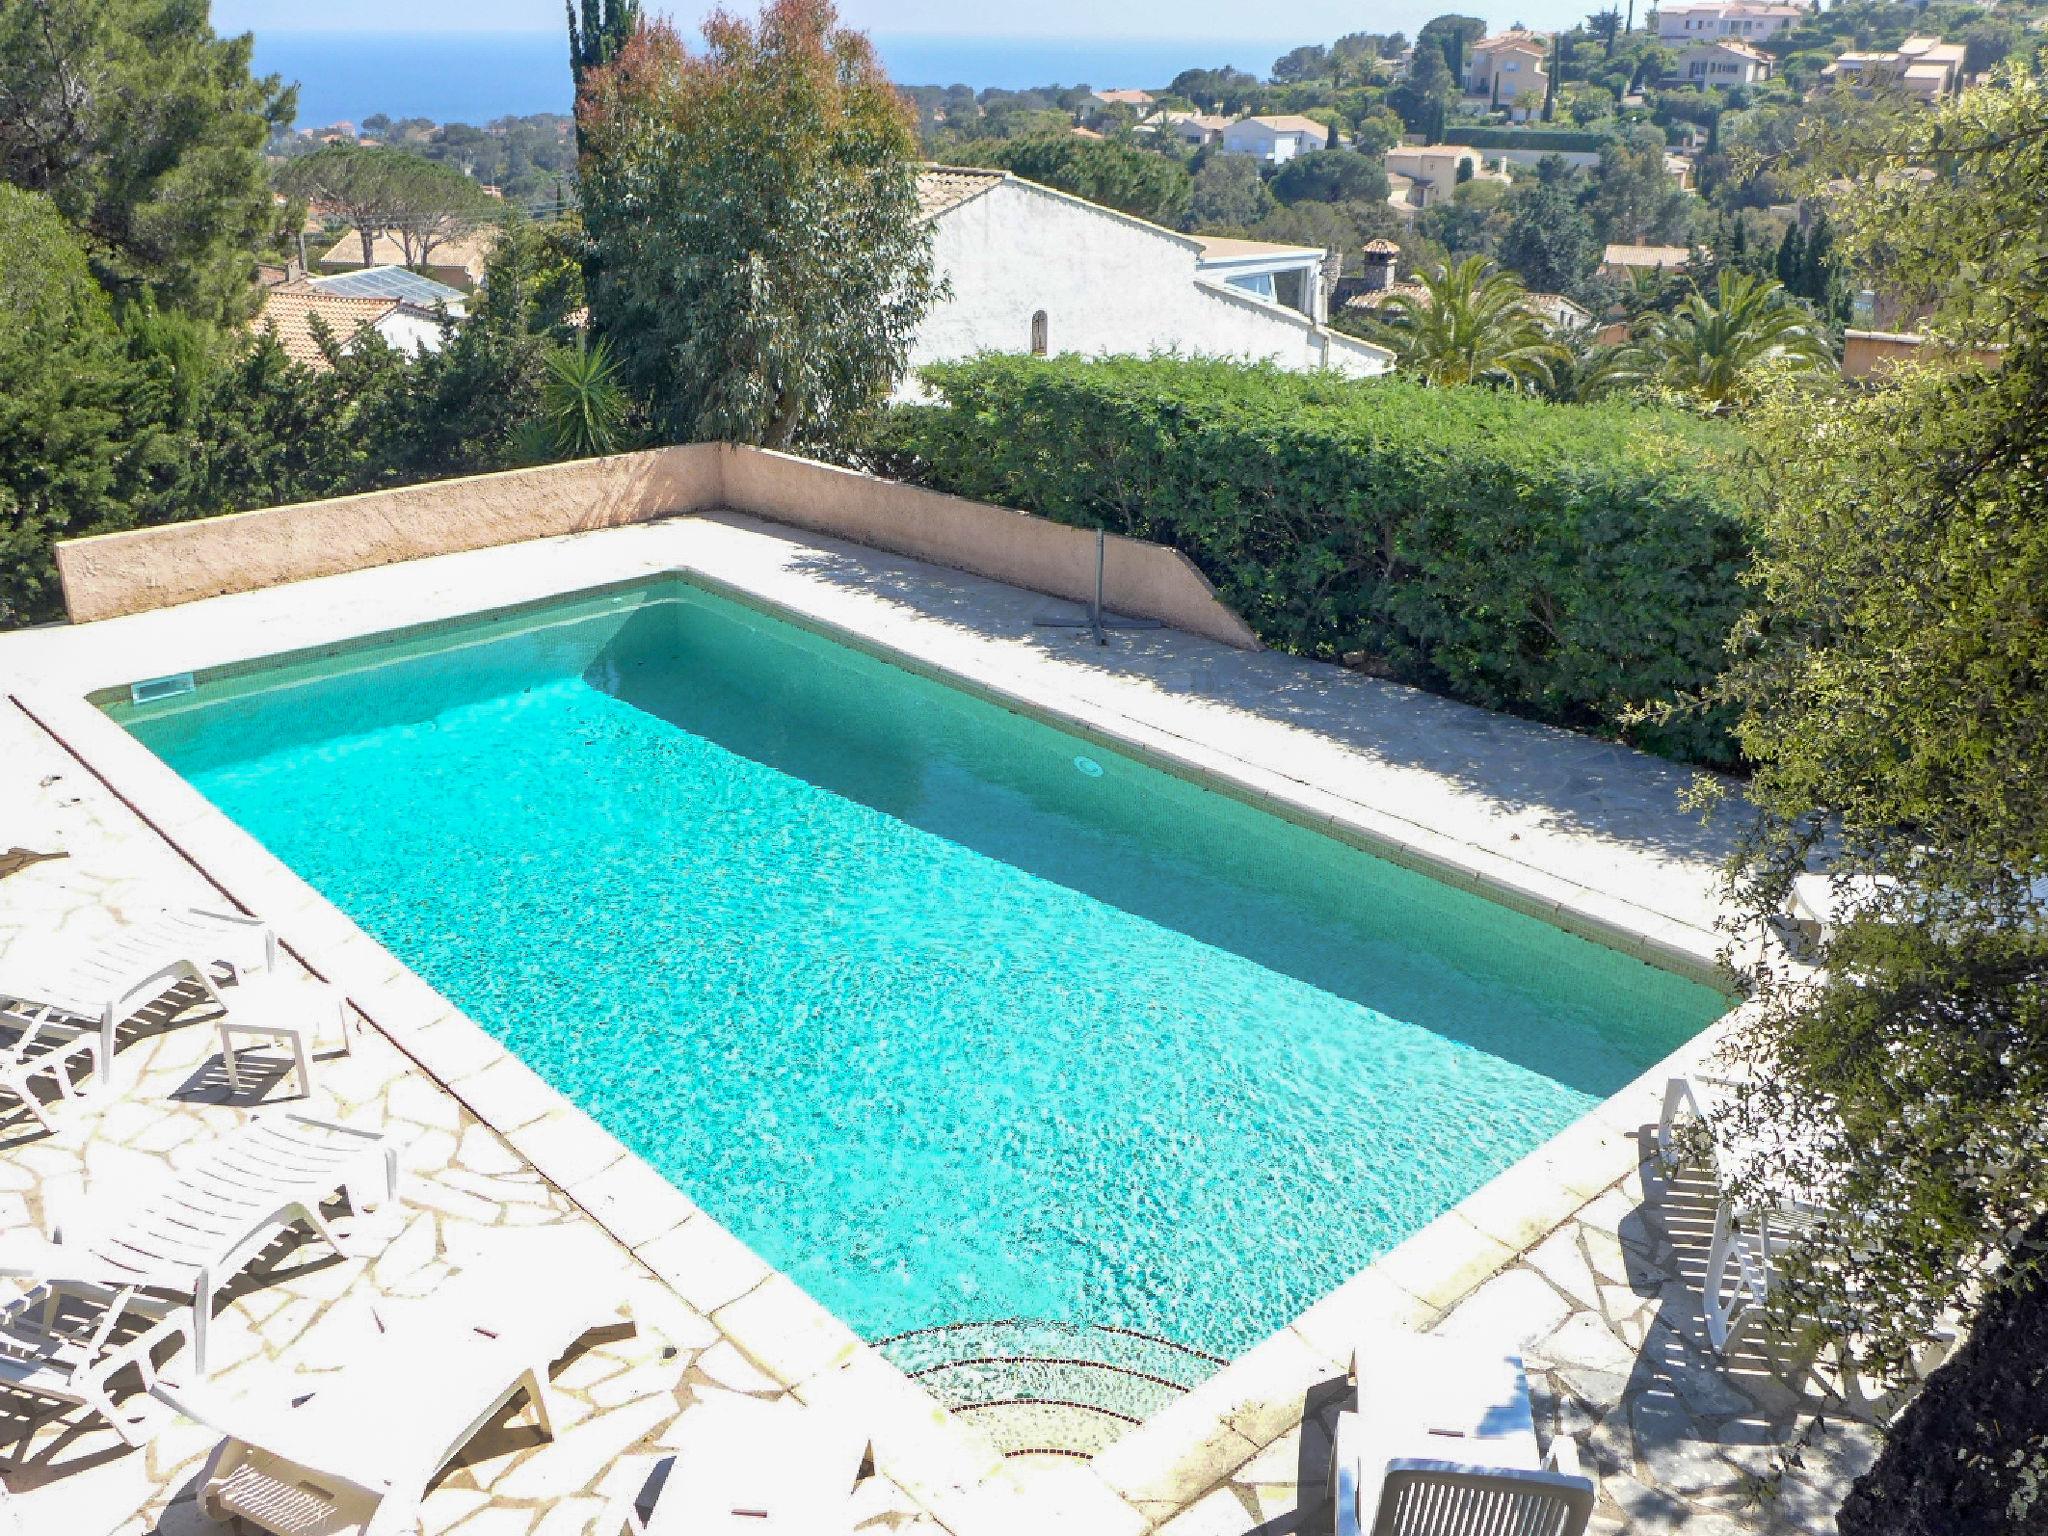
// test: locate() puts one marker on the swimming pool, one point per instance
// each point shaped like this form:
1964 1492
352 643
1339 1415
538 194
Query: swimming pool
952 1015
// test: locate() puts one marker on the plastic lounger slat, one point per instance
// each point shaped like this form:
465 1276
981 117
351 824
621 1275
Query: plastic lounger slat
273 1504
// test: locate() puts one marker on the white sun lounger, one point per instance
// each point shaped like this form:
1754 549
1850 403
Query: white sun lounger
748 1467
125 970
355 1456
194 1228
45 1049
72 1343
1750 1238
1443 1440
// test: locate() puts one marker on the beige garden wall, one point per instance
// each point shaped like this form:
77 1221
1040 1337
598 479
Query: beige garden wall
146 568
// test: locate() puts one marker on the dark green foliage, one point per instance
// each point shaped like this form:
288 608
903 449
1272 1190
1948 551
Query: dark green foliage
1955 1462
1331 176
595 40
1549 140
1101 170
70 462
147 132
1566 562
1229 193
1550 241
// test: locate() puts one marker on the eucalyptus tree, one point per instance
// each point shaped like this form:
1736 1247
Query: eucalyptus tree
1468 324
760 266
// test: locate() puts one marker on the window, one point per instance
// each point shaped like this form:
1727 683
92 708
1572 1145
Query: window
1041 334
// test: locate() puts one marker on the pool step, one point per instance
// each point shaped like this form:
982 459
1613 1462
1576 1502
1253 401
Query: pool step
1040 1388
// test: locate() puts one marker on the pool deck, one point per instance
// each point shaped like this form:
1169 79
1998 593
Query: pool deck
1581 1252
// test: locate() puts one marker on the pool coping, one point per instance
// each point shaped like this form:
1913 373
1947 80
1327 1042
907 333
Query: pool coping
1175 1456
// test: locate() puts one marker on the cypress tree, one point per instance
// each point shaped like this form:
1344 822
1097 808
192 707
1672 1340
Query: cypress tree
1792 261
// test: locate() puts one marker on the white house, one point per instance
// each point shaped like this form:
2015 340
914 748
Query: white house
1030 269
1275 140
1720 63
1197 128
1743 20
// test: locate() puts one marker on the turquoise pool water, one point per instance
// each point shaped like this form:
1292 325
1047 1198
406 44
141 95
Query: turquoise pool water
951 1015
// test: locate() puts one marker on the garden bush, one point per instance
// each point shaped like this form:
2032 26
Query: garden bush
1575 564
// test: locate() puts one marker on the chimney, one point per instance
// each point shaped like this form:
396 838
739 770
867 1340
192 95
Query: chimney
1379 261
294 272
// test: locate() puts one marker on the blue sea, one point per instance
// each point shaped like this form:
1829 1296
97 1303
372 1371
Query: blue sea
474 77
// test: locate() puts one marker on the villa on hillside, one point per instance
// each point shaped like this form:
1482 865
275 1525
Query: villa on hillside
1721 63
1925 68
1033 270
1275 140
1434 171
1196 128
1742 20
1509 70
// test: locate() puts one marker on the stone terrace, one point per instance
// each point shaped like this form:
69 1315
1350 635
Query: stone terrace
1606 1301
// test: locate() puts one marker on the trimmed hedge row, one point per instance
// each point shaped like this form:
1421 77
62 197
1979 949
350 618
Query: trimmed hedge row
1558 140
1569 563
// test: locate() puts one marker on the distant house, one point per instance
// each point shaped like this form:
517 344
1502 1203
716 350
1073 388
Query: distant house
1197 128
1275 140
1721 63
1739 19
1436 169
401 283
459 262
1508 68
1925 68
1868 354
1031 269
1621 260
1142 100
288 313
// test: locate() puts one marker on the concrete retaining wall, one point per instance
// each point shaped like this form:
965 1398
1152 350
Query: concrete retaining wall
146 568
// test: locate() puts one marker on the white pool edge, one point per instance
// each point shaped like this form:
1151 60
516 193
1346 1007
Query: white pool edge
1174 1457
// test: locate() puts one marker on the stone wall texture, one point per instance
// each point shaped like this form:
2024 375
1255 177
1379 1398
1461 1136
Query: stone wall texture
147 568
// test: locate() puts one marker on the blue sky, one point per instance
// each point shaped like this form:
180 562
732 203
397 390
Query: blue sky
1308 19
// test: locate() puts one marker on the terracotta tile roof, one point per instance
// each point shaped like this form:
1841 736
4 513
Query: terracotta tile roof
288 312
942 188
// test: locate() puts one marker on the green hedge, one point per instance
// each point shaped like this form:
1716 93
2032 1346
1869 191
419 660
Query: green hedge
1568 563
1549 140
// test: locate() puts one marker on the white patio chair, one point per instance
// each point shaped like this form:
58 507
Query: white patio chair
70 1342
1751 1238
291 1010
1443 1443
195 1227
754 1467
45 1049
119 973
354 1457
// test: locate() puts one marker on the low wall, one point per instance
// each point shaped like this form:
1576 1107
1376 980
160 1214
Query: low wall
145 568
1869 353
1147 581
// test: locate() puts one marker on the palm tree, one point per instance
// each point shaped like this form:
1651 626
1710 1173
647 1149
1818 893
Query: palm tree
1716 349
581 403
1469 324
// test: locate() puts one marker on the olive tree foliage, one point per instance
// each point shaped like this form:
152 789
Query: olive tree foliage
760 264
146 132
420 203
1892 692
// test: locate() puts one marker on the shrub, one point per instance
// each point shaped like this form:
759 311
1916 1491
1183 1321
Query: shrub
1569 563
1551 141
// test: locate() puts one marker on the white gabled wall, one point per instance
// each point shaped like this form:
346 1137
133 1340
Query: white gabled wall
1107 284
